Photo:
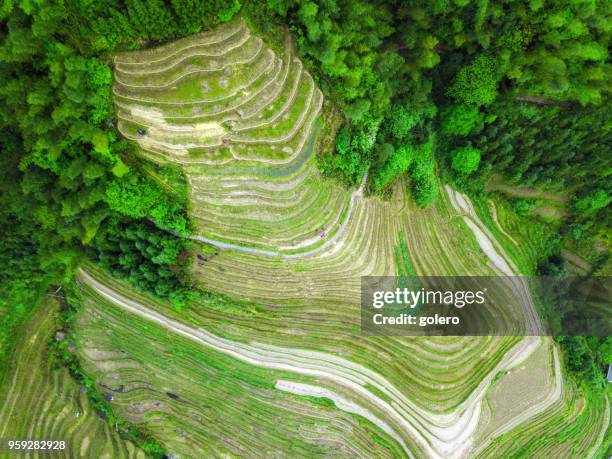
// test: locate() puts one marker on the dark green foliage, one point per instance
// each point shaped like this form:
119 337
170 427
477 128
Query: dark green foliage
353 145
476 83
403 119
381 61
460 119
560 147
523 207
59 139
554 265
150 259
583 360
465 160
398 162
150 18
404 145
193 14
424 183
417 160
127 22
591 202
64 176
139 197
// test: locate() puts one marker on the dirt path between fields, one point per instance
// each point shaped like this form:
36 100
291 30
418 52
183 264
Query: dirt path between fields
525 192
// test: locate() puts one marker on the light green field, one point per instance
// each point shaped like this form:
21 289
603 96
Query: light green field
564 430
44 402
202 403
243 121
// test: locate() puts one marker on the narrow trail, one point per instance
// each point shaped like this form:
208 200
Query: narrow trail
239 248
525 192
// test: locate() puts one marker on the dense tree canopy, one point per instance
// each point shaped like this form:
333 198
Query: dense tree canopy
397 66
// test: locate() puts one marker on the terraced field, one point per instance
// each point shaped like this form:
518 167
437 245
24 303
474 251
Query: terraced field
565 430
43 402
184 392
241 117
200 400
241 120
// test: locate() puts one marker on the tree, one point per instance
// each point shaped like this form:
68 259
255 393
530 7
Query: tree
460 119
145 256
138 197
193 15
424 185
465 160
399 162
476 83
597 199
403 118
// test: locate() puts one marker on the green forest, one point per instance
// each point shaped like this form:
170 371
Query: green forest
464 92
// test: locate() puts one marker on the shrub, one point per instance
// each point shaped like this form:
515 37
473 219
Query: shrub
460 119
424 186
476 83
593 201
465 160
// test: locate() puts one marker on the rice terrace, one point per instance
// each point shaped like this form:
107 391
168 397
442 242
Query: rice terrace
197 194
